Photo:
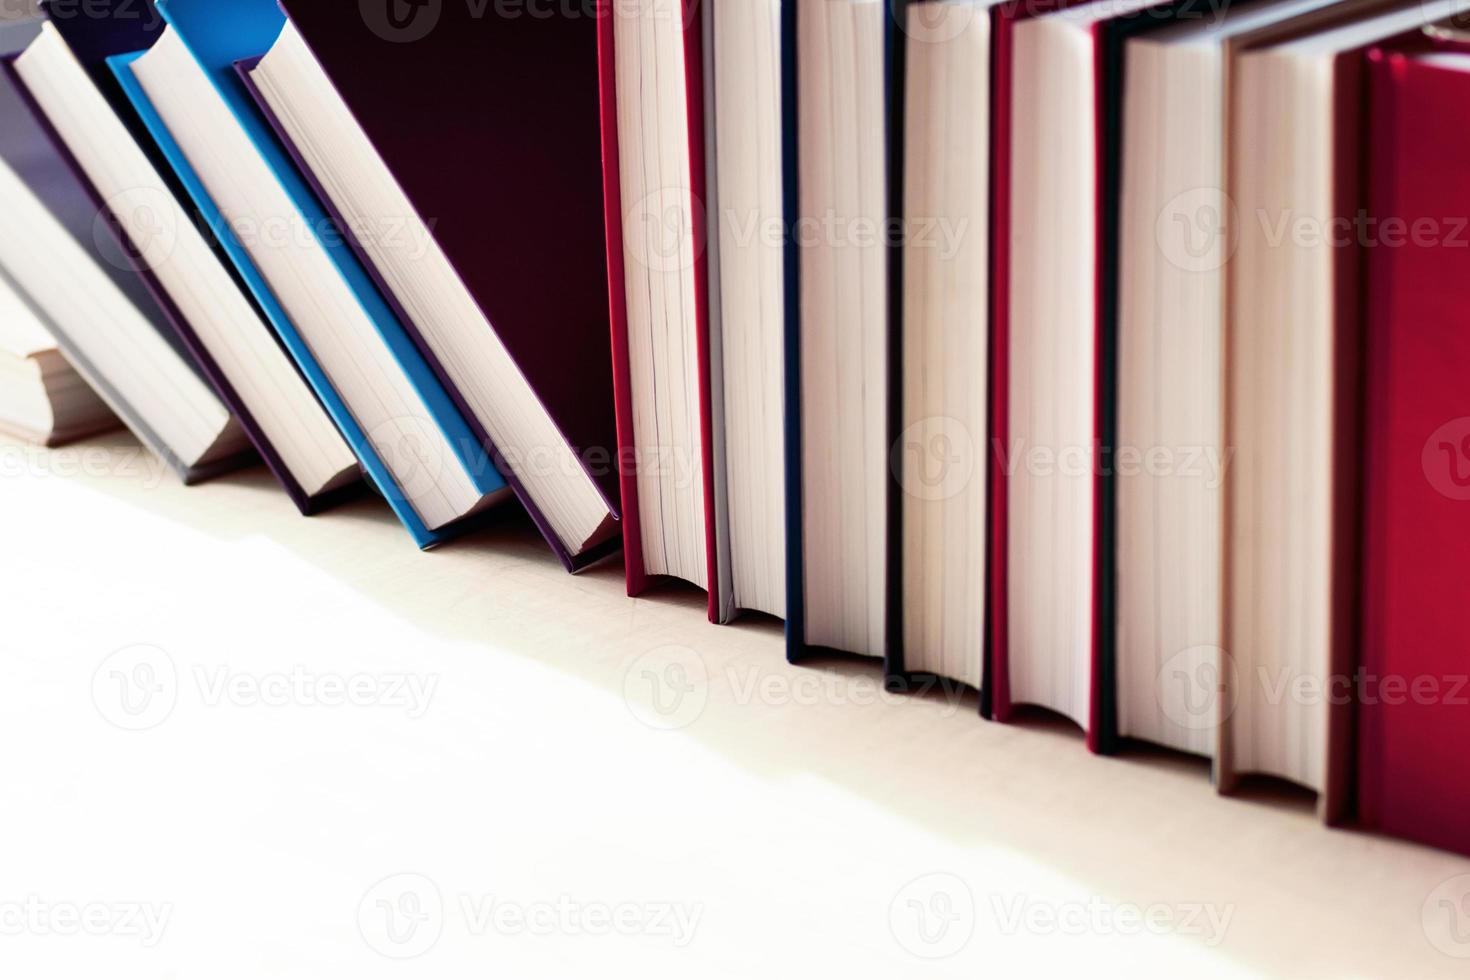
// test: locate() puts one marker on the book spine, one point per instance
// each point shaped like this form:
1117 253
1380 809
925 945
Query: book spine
294 343
699 229
637 577
791 270
996 699
895 66
349 235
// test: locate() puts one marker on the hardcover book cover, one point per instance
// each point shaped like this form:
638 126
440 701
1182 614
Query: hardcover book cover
29 146
92 38
1329 768
1108 37
637 576
447 97
218 35
797 647
1416 469
996 700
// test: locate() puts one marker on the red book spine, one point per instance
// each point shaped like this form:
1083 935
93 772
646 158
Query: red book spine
1002 52
1413 689
1100 383
1003 22
1382 176
628 459
618 301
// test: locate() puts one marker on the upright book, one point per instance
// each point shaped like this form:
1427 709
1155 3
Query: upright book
1057 73
64 74
654 159
392 409
842 328
460 154
1413 711
111 329
1175 236
1294 417
744 48
939 456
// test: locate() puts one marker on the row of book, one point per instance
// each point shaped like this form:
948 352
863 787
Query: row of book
1100 356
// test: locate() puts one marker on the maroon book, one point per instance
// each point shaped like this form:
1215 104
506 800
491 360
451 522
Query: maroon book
1413 688
490 124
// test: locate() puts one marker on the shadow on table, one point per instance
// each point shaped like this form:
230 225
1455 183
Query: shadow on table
1132 827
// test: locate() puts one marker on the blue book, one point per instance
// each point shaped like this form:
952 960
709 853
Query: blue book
217 34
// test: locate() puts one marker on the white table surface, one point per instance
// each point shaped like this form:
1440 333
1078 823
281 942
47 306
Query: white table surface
337 726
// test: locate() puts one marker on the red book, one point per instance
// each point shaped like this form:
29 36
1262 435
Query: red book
1414 699
658 234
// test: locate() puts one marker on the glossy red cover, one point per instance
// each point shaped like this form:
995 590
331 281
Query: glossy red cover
637 575
1413 781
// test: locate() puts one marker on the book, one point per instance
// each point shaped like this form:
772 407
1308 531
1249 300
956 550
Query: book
743 50
940 456
103 139
996 701
844 279
1175 227
655 183
1411 688
407 433
1055 358
464 195
99 311
795 631
1294 412
42 399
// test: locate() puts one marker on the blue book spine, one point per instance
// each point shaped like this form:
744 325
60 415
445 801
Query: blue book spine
218 34
791 205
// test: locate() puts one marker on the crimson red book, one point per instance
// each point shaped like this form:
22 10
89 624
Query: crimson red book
653 155
1414 700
